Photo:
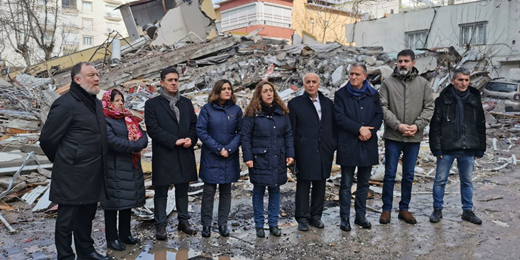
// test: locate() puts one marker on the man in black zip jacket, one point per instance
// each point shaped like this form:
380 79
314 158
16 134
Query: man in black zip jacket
457 131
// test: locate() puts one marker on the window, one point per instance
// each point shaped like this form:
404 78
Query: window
111 11
112 27
416 39
71 4
87 40
473 33
87 24
501 87
87 6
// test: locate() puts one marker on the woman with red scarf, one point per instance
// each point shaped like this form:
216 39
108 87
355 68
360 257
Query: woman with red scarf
125 176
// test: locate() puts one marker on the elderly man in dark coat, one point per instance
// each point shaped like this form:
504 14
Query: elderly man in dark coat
171 123
359 115
314 131
74 138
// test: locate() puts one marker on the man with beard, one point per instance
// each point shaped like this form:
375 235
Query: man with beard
74 138
407 102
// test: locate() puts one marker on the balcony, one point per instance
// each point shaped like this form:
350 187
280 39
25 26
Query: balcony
115 2
112 16
68 9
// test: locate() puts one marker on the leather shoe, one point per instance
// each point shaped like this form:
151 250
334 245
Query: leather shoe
363 223
317 223
345 224
260 232
206 231
224 231
275 231
303 226
94 256
187 229
385 217
407 217
160 232
116 245
130 240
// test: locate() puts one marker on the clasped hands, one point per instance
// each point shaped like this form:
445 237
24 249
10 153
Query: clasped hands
184 142
407 130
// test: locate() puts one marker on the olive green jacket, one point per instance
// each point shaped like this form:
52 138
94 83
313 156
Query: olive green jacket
406 100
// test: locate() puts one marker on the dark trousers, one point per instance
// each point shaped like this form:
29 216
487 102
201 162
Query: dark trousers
75 219
303 188
345 194
181 203
111 224
224 204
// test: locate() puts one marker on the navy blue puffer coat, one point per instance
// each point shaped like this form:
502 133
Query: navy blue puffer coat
219 127
267 141
125 182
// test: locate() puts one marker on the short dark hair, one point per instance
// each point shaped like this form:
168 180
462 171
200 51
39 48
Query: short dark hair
462 71
359 65
114 93
167 71
214 95
407 52
77 69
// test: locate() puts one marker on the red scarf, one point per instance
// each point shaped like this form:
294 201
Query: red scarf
131 121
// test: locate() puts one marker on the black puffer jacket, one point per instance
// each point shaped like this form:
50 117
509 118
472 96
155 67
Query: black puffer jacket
443 128
125 182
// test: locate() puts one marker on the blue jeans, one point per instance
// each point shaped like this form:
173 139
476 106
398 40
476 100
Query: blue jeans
465 164
273 210
393 151
345 194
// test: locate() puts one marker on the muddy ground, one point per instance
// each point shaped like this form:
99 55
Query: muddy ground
496 200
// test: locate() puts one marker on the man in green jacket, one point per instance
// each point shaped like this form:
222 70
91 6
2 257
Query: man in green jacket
407 102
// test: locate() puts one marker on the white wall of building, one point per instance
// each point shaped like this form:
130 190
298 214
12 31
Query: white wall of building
256 13
496 22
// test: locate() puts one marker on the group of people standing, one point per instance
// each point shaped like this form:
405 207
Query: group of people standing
95 147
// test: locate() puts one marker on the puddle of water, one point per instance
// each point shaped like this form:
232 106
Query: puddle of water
180 254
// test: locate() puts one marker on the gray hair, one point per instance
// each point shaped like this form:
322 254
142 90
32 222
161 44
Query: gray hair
77 69
359 65
310 73
462 71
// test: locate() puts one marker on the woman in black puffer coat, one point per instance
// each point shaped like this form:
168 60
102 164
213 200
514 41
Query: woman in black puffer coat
125 176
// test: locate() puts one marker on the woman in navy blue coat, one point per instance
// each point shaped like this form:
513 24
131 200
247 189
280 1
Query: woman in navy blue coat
218 127
267 147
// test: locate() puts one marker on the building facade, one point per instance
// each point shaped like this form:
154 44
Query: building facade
489 30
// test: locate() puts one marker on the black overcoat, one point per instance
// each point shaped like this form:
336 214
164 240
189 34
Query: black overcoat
351 114
314 139
74 139
171 164
125 182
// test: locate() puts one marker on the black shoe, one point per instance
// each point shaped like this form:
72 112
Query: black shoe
436 216
345 224
275 231
130 240
94 256
224 231
317 223
303 226
206 231
160 232
116 245
363 223
260 232
469 216
187 229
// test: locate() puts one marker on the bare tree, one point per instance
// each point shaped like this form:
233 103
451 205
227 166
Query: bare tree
15 25
43 23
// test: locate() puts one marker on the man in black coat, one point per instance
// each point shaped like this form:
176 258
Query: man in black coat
171 123
312 119
359 115
457 131
74 138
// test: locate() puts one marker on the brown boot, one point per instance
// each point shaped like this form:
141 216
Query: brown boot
385 217
187 229
407 217
160 232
